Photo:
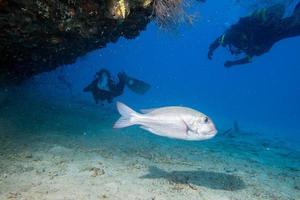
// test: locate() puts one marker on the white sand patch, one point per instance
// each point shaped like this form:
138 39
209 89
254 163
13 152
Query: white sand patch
53 160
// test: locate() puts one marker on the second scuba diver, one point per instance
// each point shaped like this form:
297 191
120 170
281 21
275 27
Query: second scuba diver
104 88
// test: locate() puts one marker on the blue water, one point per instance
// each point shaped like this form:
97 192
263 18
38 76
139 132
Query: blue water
262 97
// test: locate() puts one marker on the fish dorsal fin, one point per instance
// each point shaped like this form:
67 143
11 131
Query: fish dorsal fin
145 111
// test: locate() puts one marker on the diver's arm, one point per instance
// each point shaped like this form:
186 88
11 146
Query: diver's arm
213 47
242 61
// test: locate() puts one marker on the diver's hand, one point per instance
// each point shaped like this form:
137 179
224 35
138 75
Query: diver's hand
228 64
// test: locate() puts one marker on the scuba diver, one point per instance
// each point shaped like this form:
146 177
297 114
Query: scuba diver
255 35
104 88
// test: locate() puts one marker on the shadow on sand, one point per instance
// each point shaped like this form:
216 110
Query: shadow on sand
213 180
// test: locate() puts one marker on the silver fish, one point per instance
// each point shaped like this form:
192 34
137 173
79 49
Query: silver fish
172 122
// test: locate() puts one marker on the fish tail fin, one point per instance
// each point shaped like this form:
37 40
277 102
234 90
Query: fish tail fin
128 116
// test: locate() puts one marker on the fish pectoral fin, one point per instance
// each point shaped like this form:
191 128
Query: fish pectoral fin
187 129
189 132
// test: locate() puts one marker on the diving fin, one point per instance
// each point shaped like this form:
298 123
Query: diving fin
137 86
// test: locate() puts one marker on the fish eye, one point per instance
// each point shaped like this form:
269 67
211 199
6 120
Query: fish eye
206 119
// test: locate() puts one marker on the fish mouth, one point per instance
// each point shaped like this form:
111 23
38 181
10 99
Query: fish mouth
212 132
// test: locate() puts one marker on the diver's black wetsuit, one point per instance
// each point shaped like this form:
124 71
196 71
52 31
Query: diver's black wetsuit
256 34
114 89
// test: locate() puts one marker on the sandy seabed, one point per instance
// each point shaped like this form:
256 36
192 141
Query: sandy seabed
69 151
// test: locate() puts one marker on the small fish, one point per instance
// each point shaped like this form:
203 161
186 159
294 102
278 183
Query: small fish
172 122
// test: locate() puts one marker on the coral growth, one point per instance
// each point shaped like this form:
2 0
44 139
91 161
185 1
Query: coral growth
38 36
118 9
170 13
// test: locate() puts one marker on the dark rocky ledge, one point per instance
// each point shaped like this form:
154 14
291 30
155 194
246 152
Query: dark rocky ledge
39 35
